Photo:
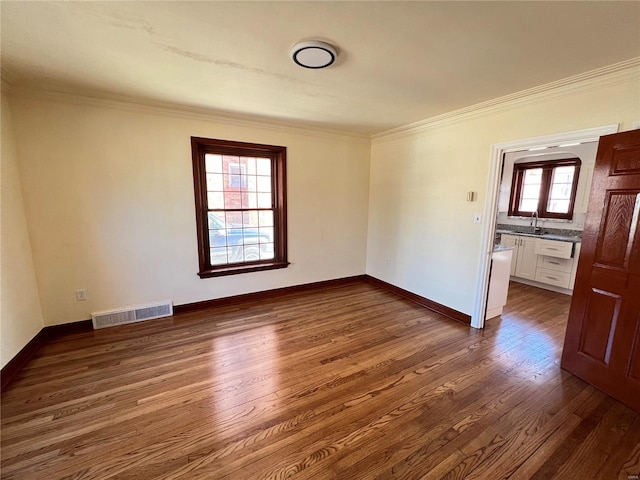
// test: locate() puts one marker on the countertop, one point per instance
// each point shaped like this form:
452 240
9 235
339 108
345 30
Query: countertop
545 236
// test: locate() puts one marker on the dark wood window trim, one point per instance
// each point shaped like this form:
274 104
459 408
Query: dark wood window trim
277 154
517 184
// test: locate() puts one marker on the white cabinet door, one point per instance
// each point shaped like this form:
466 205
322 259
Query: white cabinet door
499 282
527 258
511 241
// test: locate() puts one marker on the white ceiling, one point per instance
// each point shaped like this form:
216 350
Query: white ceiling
398 63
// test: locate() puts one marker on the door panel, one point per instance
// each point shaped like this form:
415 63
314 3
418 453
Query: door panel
617 232
602 344
599 325
625 161
633 372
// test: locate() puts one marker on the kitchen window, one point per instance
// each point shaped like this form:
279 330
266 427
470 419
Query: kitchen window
240 199
547 187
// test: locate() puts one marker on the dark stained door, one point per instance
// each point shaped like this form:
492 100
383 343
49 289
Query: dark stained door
602 344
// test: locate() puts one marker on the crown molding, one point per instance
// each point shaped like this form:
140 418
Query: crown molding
611 74
136 105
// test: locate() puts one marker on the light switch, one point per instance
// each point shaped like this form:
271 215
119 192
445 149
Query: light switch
477 218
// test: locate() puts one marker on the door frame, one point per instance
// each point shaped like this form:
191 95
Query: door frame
491 203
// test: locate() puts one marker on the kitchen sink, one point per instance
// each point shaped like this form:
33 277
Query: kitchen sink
525 232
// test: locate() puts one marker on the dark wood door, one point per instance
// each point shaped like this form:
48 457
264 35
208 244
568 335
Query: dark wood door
602 344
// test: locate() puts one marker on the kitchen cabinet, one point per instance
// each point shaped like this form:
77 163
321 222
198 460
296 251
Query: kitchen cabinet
553 277
499 281
554 248
544 261
525 259
511 241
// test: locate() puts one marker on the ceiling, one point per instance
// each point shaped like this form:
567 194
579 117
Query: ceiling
398 63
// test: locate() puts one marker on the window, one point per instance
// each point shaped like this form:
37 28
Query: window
240 196
548 187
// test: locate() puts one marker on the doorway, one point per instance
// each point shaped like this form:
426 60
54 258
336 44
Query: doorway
498 153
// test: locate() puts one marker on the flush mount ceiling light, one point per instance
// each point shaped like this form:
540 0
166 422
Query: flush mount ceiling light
314 54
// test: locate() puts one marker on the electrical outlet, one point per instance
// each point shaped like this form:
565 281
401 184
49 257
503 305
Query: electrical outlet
387 261
81 294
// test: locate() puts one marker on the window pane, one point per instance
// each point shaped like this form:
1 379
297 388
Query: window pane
251 253
563 174
232 200
266 251
233 220
235 254
263 166
216 220
250 218
251 165
266 234
528 205
533 176
217 238
250 231
265 219
561 186
215 200
264 200
218 256
530 190
251 236
561 192
213 163
264 184
558 206
249 200
214 182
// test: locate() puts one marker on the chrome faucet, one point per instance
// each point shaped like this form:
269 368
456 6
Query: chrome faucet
534 222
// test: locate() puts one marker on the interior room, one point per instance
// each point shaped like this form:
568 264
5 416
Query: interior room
255 240
536 247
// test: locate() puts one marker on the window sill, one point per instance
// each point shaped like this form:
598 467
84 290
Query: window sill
238 269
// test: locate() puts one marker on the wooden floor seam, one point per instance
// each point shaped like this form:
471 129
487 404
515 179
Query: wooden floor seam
351 382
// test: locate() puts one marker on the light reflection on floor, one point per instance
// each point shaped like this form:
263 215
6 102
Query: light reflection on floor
525 318
231 360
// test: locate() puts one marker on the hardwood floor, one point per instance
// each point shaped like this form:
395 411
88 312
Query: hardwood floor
350 382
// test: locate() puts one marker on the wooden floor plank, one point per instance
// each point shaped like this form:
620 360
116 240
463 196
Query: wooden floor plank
349 382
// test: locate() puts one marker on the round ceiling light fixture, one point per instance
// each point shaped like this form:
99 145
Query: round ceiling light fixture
314 54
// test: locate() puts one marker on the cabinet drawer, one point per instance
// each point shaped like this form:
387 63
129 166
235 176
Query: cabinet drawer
554 248
555 263
552 277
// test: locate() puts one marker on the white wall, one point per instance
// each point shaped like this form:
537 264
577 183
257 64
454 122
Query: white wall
110 205
418 217
20 314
